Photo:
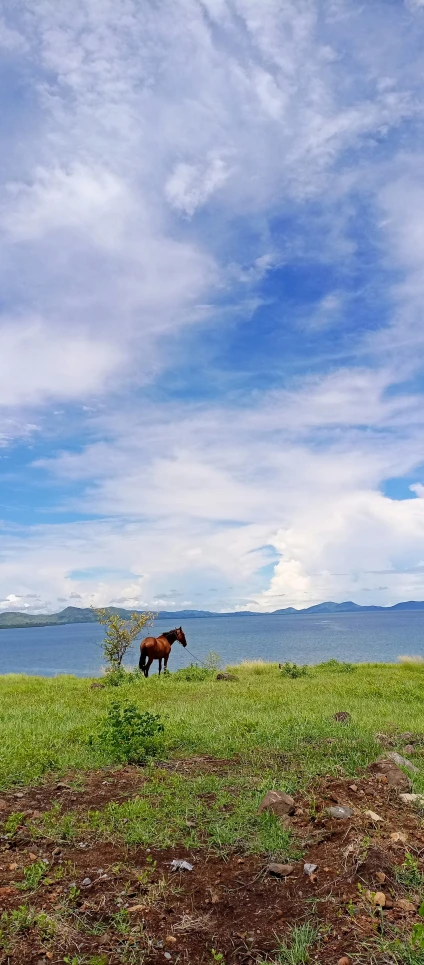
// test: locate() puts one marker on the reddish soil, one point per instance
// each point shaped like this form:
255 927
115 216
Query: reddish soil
230 904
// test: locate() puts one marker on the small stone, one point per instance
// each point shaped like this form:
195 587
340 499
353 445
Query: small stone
375 818
56 851
341 813
32 856
280 870
3 806
412 798
170 940
344 960
133 908
389 902
380 899
399 837
18 794
167 956
409 749
86 882
178 865
13 867
309 868
353 787
404 905
278 802
381 877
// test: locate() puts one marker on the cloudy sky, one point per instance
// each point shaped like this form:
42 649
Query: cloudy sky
211 303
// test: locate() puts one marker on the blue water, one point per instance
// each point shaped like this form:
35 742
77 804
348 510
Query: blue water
75 648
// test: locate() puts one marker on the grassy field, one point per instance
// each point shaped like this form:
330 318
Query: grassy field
225 743
271 721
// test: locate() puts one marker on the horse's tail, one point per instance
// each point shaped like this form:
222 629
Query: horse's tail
143 659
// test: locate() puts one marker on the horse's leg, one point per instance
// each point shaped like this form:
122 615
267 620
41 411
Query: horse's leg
149 664
160 665
165 662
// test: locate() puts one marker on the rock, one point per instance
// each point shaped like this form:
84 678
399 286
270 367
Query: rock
341 812
86 882
381 877
134 908
18 794
375 818
309 869
167 956
353 787
342 717
280 870
409 749
96 686
3 806
226 676
278 802
412 799
401 761
344 961
178 865
388 771
389 902
407 906
170 940
398 837
380 899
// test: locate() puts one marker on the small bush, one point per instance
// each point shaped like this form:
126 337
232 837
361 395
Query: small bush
116 676
336 666
292 670
128 735
193 672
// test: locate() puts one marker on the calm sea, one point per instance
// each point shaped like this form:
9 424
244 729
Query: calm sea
310 638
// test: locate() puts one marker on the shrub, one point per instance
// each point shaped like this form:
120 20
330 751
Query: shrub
192 672
128 735
292 670
336 666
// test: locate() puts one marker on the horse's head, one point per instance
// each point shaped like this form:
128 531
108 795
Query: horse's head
181 636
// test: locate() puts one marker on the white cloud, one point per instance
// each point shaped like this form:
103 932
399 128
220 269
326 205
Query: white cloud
38 363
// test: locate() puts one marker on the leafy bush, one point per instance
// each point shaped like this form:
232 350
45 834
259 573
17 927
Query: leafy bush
292 670
116 676
336 666
128 735
193 672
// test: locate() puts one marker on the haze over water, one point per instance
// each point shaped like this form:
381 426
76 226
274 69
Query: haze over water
308 638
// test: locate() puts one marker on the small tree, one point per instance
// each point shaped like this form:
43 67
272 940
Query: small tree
120 634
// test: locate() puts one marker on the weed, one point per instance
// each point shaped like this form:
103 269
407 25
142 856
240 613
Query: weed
20 920
292 670
128 736
120 921
33 876
297 951
409 874
217 957
12 823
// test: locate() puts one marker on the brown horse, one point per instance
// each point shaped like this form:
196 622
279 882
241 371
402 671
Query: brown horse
159 648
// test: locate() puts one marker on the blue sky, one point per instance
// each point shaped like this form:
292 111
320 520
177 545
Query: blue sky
211 303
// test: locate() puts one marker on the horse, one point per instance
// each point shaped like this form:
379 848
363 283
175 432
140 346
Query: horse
159 648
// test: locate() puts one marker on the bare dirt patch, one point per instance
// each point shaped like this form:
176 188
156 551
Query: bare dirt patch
125 904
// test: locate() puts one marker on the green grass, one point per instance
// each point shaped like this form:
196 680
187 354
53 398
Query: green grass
46 723
296 951
192 811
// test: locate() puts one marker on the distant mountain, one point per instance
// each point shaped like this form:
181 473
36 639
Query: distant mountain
74 614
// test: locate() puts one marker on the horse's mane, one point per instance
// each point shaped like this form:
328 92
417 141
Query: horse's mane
168 634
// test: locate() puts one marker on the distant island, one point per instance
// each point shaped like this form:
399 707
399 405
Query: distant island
73 614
